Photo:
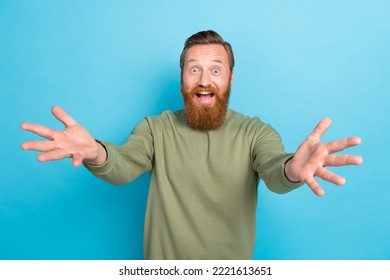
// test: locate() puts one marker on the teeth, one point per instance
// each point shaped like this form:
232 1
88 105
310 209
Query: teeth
204 93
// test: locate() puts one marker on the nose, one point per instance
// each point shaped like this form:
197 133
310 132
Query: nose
204 79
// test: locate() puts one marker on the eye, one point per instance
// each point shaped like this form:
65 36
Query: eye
216 71
194 70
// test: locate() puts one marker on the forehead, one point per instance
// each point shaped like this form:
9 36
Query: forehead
207 53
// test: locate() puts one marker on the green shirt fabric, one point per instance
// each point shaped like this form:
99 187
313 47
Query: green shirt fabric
203 190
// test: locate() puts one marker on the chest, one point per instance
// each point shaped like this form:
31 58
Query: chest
218 152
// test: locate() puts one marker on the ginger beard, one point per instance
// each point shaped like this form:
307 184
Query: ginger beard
203 116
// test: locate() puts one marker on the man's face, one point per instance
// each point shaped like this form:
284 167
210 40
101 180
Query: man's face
206 81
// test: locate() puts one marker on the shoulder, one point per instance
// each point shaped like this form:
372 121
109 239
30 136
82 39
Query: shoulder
253 126
239 119
166 118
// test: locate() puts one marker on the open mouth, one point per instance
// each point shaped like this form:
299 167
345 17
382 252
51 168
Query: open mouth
205 98
204 94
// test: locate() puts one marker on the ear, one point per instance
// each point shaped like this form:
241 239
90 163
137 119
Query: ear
231 79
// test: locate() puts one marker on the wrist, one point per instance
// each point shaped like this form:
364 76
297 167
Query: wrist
288 173
101 155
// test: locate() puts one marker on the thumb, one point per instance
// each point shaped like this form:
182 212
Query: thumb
77 159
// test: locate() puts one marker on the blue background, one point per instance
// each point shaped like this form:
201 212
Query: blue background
111 63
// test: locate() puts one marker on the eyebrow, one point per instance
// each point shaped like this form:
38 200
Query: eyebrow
214 60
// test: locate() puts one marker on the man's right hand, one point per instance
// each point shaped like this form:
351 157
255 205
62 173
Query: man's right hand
73 142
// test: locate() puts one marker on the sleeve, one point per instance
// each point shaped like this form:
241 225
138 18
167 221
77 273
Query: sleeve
269 159
125 163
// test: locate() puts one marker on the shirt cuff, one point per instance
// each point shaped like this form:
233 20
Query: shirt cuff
106 167
285 181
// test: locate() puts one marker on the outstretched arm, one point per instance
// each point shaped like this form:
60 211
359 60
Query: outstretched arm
73 142
312 156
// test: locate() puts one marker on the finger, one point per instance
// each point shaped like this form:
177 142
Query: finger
339 145
53 155
314 186
329 176
341 160
43 131
42 146
320 129
62 116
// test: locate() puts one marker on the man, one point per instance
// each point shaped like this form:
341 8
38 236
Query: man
205 161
